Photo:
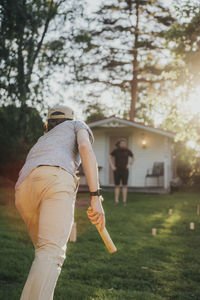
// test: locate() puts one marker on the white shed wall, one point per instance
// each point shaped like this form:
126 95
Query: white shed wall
99 147
158 149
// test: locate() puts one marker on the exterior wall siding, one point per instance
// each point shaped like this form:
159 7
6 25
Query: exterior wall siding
99 147
158 149
145 157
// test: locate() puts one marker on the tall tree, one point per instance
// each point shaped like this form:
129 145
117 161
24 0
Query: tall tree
185 34
32 44
183 40
126 48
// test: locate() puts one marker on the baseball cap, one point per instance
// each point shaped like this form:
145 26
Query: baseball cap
60 112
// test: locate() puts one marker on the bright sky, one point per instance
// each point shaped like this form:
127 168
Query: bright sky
107 98
194 102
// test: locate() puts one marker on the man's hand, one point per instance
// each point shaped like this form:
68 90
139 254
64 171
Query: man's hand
96 213
130 163
112 163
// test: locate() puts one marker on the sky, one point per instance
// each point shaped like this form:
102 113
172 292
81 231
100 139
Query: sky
107 98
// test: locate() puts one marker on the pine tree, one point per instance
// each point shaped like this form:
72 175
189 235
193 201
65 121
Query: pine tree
126 47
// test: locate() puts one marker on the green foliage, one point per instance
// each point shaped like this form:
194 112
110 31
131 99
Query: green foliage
32 45
186 46
19 130
183 39
187 129
187 161
123 54
95 112
166 266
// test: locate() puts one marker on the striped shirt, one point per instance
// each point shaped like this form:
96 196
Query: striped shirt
58 147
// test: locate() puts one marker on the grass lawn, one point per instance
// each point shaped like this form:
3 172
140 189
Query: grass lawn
166 266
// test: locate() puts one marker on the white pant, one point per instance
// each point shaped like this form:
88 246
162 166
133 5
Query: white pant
45 200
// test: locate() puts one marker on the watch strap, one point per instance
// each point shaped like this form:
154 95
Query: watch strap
96 193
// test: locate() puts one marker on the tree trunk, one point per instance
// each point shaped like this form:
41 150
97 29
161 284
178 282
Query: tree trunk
20 62
134 82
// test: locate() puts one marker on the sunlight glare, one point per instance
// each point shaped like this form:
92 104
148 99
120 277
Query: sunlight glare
191 144
194 101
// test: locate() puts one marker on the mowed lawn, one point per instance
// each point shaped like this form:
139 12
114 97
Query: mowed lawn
166 266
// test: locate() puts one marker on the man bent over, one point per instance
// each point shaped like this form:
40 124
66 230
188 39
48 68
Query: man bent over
46 192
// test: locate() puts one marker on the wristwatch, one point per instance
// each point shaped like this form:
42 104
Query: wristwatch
96 193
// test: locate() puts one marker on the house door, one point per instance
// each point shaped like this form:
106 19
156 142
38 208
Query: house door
112 142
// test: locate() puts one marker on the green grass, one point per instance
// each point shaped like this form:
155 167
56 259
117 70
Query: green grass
145 267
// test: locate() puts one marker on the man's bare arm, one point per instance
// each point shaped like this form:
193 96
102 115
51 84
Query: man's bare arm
88 159
111 163
90 168
131 162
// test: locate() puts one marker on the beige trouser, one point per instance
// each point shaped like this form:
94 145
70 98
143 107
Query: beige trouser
45 200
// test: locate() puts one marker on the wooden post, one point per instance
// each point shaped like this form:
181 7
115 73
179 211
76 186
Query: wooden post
73 234
191 226
153 231
170 211
198 209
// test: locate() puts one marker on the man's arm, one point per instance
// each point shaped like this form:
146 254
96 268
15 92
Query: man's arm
131 162
111 162
90 168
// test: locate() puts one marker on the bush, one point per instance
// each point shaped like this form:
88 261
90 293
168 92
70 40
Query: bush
19 130
188 165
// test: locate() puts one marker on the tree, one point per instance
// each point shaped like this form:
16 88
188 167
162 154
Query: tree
33 38
125 48
95 112
183 40
14 147
34 44
188 164
186 45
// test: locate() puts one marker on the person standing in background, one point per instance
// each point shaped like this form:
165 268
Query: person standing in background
120 167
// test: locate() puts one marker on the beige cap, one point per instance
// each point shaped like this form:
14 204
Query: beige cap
60 112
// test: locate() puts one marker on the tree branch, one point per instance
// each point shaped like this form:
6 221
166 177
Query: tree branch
41 40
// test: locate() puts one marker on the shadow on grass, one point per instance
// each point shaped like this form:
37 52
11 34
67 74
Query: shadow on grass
145 267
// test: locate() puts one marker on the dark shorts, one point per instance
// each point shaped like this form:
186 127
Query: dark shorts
121 175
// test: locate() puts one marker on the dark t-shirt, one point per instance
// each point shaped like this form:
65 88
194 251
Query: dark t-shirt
121 157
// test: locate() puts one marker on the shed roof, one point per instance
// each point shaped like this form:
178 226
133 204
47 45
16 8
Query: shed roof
118 122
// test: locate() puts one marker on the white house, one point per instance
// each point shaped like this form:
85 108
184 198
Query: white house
149 145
